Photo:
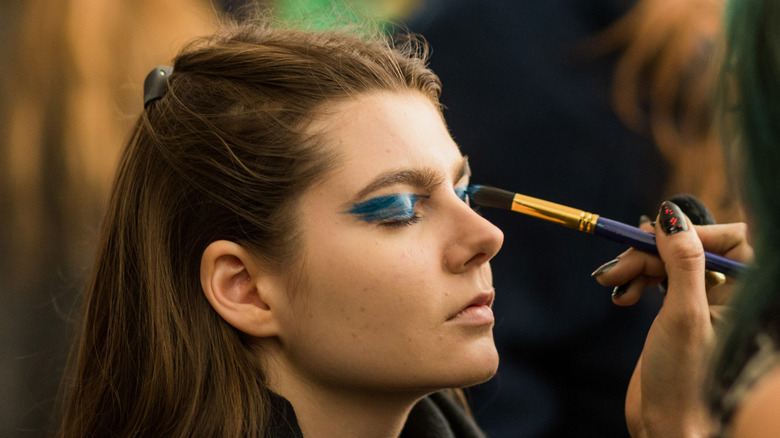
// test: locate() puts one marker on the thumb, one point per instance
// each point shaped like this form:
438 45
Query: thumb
683 255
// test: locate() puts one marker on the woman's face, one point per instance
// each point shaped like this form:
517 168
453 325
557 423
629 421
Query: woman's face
394 290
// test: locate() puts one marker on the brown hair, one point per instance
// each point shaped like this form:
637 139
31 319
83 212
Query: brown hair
225 154
665 83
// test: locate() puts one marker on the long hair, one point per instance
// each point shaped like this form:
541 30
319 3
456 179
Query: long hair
225 154
752 107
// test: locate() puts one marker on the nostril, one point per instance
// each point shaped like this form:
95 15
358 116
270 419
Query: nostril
478 259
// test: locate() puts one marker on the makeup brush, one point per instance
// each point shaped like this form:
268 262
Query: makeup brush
569 217
692 206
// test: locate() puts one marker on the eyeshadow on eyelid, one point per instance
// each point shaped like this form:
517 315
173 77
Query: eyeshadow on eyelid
386 208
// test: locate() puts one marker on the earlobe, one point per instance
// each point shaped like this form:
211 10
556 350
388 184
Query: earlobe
233 284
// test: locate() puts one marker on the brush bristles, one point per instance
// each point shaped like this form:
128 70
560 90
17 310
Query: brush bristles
487 196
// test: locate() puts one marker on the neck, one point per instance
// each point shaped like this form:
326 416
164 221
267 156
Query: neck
341 410
340 414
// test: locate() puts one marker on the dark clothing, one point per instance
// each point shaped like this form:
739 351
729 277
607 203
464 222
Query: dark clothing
436 416
533 114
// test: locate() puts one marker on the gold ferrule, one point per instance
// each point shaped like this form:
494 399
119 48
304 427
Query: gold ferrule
556 213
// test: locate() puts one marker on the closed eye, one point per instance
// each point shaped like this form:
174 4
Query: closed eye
392 210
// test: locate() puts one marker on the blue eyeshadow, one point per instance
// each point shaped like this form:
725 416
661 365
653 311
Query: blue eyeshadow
463 193
386 208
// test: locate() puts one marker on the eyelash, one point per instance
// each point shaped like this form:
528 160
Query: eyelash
405 221
398 223
373 210
461 192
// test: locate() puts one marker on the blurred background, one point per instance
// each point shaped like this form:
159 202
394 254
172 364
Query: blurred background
604 105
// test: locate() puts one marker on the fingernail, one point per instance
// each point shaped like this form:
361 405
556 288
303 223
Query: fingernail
604 268
620 290
671 218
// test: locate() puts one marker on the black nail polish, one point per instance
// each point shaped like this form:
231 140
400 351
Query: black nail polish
671 218
620 290
604 268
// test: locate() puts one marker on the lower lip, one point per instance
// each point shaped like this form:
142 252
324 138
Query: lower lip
475 315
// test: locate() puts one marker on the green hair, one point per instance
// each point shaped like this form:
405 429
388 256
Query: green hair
752 84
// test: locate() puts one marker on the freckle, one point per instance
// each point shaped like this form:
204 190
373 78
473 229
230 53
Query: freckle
362 309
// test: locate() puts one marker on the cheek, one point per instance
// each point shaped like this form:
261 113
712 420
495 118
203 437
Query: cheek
376 263
402 274
373 285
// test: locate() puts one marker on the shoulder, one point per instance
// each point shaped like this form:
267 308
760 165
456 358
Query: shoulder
759 413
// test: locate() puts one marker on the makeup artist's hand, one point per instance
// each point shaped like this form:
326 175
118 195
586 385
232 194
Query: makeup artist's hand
664 395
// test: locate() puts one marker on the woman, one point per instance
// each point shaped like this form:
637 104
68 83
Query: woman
746 387
742 394
288 251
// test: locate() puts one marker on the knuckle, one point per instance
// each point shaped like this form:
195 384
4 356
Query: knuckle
688 255
735 238
741 231
737 231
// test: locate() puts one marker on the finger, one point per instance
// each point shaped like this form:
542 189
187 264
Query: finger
697 214
728 240
634 265
683 256
627 266
629 293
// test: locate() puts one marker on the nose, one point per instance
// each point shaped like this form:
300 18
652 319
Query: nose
475 240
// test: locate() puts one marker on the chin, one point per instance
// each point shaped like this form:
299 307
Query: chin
475 367
485 372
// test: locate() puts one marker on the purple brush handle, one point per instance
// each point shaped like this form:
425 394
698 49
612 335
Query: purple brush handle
644 241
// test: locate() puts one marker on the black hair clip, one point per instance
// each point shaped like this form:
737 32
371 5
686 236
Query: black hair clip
156 84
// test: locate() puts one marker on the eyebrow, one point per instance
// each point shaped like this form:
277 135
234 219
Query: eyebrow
425 178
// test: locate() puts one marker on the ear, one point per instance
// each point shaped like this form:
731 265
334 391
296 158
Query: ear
238 289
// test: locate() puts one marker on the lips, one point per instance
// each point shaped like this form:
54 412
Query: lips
479 301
